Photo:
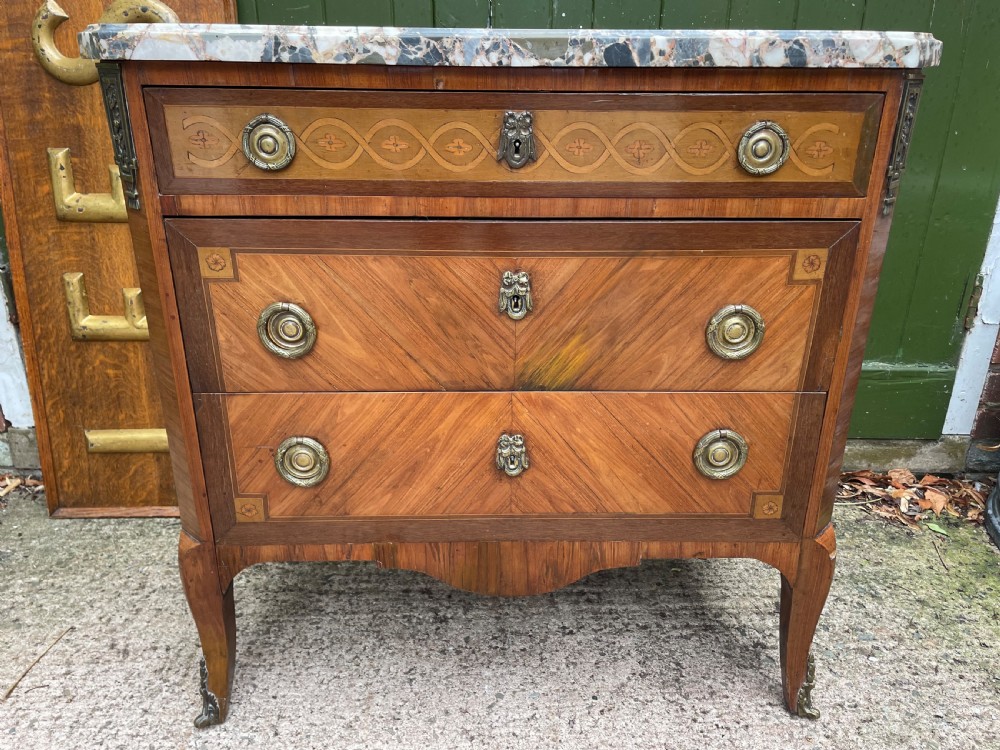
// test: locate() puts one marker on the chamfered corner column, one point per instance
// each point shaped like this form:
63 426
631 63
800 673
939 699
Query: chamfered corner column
215 617
802 602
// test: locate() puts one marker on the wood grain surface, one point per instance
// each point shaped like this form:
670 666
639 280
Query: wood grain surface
75 385
446 143
413 305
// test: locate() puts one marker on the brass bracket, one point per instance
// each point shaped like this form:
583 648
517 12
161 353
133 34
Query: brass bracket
86 327
912 87
74 206
803 703
78 71
210 713
116 107
151 440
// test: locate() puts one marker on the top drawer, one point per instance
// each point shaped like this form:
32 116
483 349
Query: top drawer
447 144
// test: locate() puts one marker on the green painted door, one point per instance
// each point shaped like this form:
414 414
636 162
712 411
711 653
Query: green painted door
949 194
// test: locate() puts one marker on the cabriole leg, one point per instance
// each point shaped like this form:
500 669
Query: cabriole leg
802 602
215 617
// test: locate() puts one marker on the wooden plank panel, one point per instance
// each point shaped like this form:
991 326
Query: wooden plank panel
282 12
461 13
626 14
522 14
834 14
367 13
631 452
684 14
413 12
762 14
573 14
75 385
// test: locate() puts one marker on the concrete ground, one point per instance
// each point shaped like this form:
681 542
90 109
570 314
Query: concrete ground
669 655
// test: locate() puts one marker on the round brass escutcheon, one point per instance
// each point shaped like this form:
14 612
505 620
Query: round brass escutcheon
763 148
720 454
268 143
735 332
285 329
302 461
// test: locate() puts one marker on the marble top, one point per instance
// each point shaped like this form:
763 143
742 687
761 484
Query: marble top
510 47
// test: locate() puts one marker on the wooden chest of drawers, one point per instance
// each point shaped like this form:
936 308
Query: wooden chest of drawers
507 327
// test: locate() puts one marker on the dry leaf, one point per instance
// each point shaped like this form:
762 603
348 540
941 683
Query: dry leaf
929 479
938 500
900 477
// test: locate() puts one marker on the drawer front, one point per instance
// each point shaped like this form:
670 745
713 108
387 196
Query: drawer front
415 306
443 143
435 454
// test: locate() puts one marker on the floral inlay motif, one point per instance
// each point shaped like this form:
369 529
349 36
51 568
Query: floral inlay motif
394 144
331 142
458 147
701 147
249 510
639 149
811 263
579 147
216 262
819 150
770 508
203 139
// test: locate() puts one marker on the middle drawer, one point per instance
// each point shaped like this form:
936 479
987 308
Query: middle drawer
460 305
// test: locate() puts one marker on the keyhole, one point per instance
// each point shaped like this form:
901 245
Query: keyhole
517 147
512 462
515 304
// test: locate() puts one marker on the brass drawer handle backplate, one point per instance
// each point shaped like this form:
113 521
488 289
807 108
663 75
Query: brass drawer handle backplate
268 143
302 461
720 454
285 329
763 148
517 139
512 456
735 332
515 294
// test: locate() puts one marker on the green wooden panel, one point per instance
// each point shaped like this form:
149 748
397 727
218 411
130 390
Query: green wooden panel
830 14
763 14
367 13
246 11
461 13
522 14
877 408
413 12
295 12
685 14
626 14
573 14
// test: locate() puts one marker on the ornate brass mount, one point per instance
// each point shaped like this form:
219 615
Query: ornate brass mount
901 143
86 327
512 455
517 139
735 332
268 143
803 704
515 294
210 713
720 454
78 71
150 440
763 148
302 461
120 128
285 329
90 207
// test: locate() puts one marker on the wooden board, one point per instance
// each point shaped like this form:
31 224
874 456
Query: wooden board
75 385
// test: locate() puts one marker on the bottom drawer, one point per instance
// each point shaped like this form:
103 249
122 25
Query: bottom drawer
371 455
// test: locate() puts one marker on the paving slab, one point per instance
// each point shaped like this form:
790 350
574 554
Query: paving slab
673 654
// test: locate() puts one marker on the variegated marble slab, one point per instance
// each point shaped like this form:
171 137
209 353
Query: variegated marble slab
511 47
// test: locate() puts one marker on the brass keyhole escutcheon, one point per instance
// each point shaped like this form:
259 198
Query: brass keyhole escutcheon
287 330
268 143
302 461
517 139
763 148
512 455
515 294
720 454
735 331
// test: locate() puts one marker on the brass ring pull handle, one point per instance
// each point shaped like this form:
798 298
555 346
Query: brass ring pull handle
517 139
720 454
763 148
302 461
512 456
735 332
285 329
268 143
79 71
515 294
